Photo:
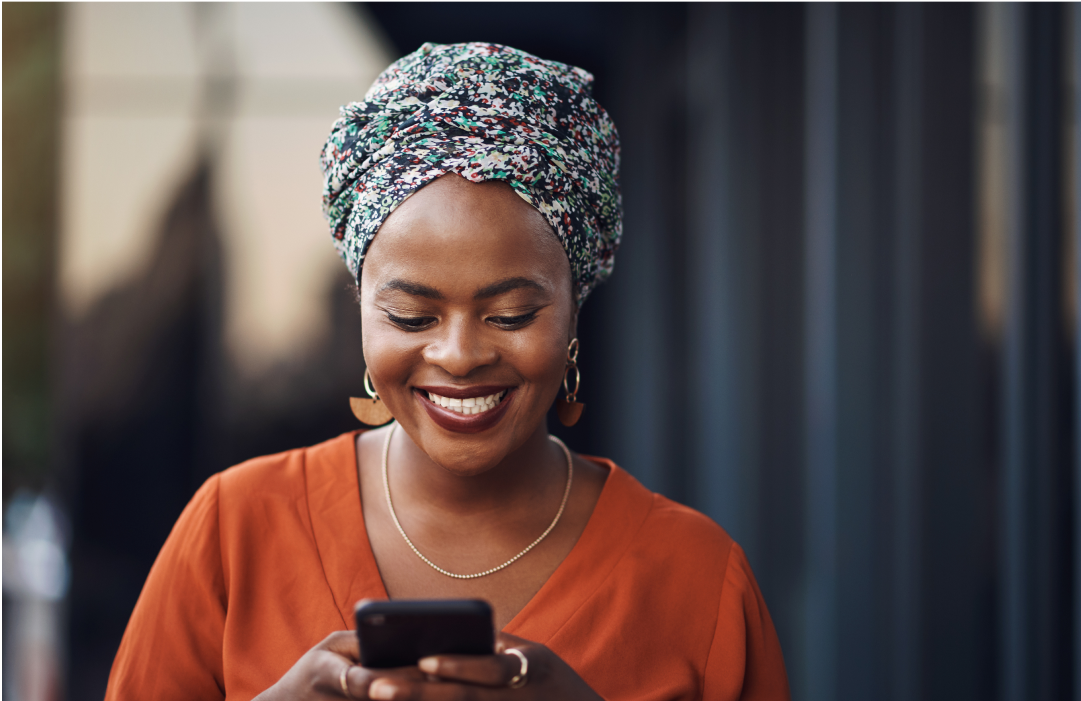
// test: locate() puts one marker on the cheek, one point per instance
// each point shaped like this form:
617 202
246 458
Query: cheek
540 357
388 353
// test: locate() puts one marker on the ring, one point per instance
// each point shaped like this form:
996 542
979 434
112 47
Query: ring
518 680
343 679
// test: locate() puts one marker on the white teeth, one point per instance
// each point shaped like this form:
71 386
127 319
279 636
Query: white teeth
468 406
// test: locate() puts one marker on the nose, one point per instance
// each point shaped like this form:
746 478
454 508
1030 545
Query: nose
460 348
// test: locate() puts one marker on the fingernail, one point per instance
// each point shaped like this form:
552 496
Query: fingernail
382 690
429 665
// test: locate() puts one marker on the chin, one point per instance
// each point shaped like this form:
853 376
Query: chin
467 454
464 461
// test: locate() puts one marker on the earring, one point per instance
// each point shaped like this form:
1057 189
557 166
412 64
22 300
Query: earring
372 412
568 410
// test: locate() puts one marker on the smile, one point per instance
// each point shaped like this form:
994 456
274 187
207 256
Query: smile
466 409
468 406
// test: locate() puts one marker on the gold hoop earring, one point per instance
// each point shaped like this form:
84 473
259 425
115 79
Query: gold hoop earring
372 411
569 410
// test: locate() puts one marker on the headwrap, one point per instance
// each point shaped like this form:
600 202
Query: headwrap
485 112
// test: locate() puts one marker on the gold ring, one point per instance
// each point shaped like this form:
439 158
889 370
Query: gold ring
343 679
518 680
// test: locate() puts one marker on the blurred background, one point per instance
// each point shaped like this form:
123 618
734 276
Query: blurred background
843 322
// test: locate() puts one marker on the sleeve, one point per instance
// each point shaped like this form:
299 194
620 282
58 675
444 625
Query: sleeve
745 660
172 647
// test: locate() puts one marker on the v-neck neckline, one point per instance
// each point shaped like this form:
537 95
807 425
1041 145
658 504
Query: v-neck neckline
336 511
337 523
617 517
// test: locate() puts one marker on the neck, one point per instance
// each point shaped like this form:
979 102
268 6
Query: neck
525 475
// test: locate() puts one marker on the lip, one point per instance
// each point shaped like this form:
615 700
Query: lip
452 420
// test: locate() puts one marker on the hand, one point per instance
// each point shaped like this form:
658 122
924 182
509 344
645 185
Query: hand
486 677
318 674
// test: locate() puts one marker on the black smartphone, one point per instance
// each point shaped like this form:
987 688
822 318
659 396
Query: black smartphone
401 632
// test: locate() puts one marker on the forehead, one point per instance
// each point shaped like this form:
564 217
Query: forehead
453 228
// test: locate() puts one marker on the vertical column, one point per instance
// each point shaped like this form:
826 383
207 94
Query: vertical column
905 668
864 311
716 263
820 324
638 370
1002 275
1046 362
1074 35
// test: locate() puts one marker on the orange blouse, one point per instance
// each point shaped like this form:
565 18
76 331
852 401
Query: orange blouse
655 601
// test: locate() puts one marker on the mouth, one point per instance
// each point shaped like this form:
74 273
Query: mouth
466 409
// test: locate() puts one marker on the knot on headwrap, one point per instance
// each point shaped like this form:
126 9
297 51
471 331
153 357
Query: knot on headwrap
485 112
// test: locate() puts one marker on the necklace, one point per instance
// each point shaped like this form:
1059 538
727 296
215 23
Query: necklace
437 568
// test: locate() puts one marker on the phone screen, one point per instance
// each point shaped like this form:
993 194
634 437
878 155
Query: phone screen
401 632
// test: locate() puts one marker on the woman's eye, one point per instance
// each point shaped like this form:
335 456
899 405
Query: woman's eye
411 323
513 322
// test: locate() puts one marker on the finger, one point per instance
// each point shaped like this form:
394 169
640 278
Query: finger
342 642
487 670
505 640
323 671
360 679
402 690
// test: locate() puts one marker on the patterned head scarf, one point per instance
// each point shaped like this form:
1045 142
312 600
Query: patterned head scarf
485 112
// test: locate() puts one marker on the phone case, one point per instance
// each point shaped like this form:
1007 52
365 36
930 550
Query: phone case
398 633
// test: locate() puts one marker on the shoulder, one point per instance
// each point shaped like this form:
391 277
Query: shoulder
283 496
709 587
674 530
687 541
672 520
287 473
280 498
656 543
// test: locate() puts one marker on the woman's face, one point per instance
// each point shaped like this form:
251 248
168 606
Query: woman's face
467 311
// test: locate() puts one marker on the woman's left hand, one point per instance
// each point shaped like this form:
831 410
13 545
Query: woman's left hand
487 677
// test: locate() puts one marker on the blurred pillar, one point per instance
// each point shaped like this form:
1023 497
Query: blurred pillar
739 288
33 660
30 140
1074 194
646 330
1074 154
1001 154
820 329
954 485
893 477
1034 659
35 584
903 673
720 263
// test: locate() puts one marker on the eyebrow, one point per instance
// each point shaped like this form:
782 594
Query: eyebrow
503 286
412 288
494 290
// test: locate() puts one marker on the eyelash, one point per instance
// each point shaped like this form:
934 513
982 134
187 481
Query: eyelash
420 323
514 322
411 323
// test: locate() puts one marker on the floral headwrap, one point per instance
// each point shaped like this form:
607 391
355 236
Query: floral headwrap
485 112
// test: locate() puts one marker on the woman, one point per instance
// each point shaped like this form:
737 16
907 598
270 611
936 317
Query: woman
490 177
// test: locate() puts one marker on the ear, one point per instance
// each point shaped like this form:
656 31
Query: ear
572 331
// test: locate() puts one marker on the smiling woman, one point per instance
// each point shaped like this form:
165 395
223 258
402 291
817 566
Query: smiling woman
474 194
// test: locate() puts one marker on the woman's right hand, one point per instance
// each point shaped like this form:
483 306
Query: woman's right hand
318 674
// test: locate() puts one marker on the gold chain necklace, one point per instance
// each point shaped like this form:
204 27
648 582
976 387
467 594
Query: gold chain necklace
437 568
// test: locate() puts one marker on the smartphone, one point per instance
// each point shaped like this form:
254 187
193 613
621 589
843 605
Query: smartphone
399 633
